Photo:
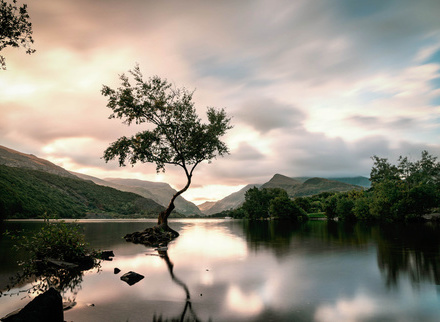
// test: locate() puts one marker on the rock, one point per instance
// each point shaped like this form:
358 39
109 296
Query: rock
116 270
154 236
131 278
106 254
46 307
61 264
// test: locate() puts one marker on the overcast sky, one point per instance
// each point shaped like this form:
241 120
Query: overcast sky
314 88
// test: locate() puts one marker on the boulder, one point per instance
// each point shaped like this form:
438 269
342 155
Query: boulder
106 254
131 278
154 236
46 307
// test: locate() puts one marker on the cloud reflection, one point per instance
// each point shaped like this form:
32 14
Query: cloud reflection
346 310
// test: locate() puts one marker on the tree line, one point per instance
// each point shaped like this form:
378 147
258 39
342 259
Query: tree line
399 192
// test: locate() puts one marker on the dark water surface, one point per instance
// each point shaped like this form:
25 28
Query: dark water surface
253 271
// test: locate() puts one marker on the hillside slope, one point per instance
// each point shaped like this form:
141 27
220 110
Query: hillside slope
232 201
30 193
158 191
16 159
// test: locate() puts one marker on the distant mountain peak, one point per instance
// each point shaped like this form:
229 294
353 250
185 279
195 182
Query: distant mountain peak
280 179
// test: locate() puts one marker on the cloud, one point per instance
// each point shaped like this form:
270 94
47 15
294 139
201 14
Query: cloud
313 88
265 115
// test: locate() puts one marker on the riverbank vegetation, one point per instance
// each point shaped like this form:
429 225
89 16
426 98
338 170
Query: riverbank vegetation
405 191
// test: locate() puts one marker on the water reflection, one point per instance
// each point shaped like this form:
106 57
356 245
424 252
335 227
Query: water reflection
38 277
242 271
188 308
412 250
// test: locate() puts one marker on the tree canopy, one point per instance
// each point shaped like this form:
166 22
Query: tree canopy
15 28
176 136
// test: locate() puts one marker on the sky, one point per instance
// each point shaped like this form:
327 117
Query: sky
314 88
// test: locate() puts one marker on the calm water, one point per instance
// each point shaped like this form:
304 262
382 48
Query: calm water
263 271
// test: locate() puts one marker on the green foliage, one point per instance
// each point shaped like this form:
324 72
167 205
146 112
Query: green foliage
361 209
283 207
29 193
178 136
344 209
269 202
304 203
15 28
330 206
257 201
56 240
401 192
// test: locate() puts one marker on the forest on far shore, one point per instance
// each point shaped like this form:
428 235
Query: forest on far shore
399 192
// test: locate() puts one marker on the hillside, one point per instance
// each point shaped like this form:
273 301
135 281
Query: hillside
30 193
157 191
15 159
291 185
315 186
232 201
204 207
358 181
312 186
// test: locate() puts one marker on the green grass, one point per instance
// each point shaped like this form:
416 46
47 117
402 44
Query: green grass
317 215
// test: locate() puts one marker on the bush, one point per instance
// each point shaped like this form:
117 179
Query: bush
55 240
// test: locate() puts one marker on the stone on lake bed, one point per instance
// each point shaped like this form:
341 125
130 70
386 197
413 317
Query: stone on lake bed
131 278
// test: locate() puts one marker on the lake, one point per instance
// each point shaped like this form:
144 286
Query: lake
236 270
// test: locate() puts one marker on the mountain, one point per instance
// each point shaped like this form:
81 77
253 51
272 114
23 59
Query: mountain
157 191
206 206
358 181
291 185
27 193
232 201
15 159
295 187
314 186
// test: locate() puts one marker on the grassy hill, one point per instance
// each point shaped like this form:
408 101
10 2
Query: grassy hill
27 193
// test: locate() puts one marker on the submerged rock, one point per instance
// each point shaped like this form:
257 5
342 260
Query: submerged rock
131 278
46 307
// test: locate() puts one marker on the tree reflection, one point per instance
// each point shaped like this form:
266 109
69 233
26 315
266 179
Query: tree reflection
43 275
409 249
188 313
284 237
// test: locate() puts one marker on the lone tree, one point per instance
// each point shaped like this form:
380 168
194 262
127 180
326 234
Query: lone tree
15 28
177 135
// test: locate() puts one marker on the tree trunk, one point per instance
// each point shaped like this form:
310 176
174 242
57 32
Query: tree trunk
162 220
